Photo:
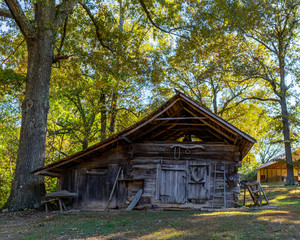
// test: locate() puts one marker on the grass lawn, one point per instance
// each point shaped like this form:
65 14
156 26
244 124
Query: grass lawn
280 223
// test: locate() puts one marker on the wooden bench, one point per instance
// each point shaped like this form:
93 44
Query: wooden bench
57 196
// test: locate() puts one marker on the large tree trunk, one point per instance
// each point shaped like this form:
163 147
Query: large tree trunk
27 189
287 142
285 118
39 31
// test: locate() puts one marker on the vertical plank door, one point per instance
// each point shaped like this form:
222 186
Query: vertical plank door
198 181
173 185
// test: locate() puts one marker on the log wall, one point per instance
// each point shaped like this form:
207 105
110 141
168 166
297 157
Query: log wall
150 157
170 176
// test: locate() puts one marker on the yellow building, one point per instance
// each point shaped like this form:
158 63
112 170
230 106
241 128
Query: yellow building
275 170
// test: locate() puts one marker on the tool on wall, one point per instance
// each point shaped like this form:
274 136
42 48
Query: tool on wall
187 148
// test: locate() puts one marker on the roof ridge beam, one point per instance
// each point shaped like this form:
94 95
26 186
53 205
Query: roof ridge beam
180 118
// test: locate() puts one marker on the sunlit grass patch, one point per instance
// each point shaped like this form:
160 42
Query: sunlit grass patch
290 196
286 200
166 233
272 212
295 191
120 235
278 219
225 213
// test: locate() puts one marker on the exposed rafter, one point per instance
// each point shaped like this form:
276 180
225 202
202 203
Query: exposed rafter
211 126
151 129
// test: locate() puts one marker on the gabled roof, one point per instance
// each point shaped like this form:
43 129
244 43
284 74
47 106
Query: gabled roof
178 117
278 161
275 164
267 164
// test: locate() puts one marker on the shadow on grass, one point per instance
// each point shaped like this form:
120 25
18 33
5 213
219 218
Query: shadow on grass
281 223
168 225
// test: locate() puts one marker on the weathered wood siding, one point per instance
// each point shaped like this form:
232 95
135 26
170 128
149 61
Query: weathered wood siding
93 181
186 176
167 175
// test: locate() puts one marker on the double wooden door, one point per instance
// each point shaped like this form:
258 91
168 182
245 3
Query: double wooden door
183 183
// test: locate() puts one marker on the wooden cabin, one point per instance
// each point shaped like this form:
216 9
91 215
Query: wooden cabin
180 156
275 170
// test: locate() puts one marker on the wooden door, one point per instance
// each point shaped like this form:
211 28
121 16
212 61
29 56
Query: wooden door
198 181
96 190
173 185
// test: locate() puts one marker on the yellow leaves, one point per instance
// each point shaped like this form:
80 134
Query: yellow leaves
225 23
98 84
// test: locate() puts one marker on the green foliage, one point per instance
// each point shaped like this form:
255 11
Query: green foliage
11 82
5 183
9 134
248 169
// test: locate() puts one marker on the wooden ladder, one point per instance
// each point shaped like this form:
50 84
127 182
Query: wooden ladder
219 184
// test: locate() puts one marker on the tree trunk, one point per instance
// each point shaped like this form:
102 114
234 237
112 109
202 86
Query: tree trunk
113 111
287 142
215 97
285 118
103 115
27 189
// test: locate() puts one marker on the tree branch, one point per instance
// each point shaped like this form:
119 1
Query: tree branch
56 149
63 37
18 14
97 27
155 25
5 13
269 77
63 10
262 43
268 73
229 100
258 98
8 57
58 57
